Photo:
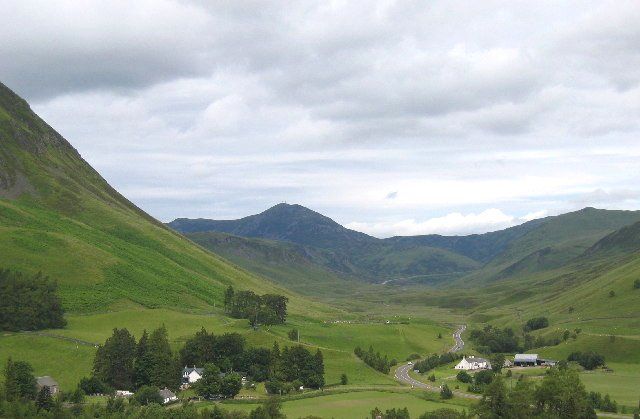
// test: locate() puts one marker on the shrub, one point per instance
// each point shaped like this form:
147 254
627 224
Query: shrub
344 380
588 360
464 377
445 392
483 377
148 394
636 284
536 323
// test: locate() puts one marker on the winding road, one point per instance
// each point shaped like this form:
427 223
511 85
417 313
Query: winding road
402 372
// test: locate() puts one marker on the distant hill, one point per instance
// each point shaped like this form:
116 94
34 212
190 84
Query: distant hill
59 216
534 246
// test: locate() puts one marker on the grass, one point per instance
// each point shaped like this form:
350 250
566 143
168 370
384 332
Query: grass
355 404
72 363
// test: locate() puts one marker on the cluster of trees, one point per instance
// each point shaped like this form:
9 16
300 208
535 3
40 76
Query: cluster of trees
29 302
493 340
536 323
294 367
123 364
588 360
375 360
481 380
228 352
259 309
435 361
603 403
560 394
215 384
531 342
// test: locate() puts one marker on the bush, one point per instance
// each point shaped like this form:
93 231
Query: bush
464 377
492 340
636 284
588 360
536 323
435 361
445 392
483 377
432 378
344 380
148 394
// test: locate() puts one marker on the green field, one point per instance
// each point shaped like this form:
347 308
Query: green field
356 404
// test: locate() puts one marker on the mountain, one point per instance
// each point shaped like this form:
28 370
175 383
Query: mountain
534 246
59 216
284 222
344 251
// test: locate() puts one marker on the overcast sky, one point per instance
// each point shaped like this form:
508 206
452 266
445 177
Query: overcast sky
390 117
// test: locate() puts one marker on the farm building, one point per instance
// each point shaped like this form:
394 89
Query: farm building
49 383
472 363
526 360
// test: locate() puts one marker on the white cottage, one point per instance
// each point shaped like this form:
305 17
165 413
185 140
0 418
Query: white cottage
191 375
472 363
167 396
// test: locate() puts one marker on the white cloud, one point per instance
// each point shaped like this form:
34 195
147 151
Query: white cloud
451 106
450 224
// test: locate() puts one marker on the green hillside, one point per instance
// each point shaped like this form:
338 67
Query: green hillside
59 216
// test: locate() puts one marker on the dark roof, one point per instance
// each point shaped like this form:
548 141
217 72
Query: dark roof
475 359
187 370
46 381
166 393
526 358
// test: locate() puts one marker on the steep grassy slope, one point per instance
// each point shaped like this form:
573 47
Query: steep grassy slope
59 216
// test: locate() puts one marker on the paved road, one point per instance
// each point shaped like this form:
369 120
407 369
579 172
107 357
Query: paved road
402 372
457 336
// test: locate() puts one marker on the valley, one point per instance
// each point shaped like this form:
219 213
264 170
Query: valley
117 267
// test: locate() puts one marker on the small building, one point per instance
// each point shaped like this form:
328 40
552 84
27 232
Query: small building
47 382
123 393
472 363
526 360
191 375
167 396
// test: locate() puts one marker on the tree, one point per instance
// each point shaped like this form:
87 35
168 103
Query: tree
445 392
270 409
565 335
143 363
114 361
536 323
464 377
497 363
636 284
209 385
29 302
561 394
163 371
344 380
483 377
494 400
43 399
93 385
228 299
612 293
19 381
439 335
589 360
148 394
293 334
231 385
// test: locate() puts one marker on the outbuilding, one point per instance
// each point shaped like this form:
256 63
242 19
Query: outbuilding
168 396
49 383
526 360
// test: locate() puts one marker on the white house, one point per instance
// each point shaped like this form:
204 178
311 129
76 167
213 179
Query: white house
167 396
472 363
191 375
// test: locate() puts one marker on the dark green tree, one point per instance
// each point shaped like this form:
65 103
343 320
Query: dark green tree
497 363
231 385
147 395
19 381
163 372
344 380
114 361
293 334
44 401
445 392
143 364
271 409
228 299
209 385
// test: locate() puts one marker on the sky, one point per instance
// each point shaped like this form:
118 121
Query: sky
392 118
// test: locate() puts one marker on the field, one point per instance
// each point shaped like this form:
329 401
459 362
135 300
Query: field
357 404
336 340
